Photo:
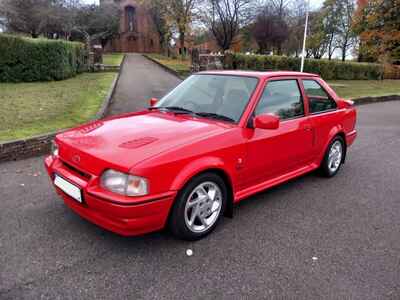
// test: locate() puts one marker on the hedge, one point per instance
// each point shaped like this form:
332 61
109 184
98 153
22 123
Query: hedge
392 71
327 69
24 59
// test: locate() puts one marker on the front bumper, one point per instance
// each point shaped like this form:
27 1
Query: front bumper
145 214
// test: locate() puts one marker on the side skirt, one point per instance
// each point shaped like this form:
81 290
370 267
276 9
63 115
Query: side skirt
273 182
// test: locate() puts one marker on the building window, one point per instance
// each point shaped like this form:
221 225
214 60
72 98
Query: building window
130 16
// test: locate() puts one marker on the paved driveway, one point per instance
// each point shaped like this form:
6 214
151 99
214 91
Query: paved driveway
140 80
311 238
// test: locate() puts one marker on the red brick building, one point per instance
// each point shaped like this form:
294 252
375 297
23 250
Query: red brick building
137 31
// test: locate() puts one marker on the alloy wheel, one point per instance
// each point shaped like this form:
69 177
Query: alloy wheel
335 156
203 207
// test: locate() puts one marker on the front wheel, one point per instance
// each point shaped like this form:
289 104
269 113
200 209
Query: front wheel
333 158
198 207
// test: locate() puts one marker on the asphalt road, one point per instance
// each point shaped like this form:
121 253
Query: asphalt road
140 80
312 238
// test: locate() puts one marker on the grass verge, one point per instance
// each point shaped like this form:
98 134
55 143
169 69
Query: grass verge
29 109
181 66
351 89
113 59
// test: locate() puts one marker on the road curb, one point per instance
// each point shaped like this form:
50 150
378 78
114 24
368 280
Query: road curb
168 69
369 100
108 100
40 144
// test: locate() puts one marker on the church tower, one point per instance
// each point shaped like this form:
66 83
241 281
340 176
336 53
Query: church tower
137 32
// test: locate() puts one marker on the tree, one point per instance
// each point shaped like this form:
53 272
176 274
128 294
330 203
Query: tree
317 44
280 8
270 30
181 13
28 16
346 36
378 27
158 14
273 19
331 17
295 19
97 22
224 19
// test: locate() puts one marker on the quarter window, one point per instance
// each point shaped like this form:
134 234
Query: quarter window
281 98
319 100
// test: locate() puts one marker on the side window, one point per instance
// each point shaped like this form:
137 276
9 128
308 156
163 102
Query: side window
319 100
282 98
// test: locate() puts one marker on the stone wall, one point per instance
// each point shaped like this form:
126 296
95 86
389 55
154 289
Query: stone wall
201 61
25 148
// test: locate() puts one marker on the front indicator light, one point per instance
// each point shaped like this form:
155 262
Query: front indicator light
54 148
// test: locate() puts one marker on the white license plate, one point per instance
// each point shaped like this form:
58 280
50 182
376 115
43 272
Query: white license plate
68 188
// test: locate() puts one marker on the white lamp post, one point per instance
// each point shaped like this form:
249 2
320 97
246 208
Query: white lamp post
303 52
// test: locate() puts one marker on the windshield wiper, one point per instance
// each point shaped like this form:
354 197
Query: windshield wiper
181 110
175 109
214 116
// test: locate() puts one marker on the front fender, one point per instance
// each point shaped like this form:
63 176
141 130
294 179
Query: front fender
197 166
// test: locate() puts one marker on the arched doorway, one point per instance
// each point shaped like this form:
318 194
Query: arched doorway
131 38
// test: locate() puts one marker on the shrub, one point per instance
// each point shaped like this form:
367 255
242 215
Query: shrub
327 69
392 71
25 59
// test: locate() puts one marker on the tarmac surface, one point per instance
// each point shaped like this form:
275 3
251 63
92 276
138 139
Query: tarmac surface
140 80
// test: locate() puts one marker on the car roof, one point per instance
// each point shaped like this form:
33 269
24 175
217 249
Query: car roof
258 74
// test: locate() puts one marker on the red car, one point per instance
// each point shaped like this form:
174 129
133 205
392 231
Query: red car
216 139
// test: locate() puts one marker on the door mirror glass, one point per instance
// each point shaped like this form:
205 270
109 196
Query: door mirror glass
266 121
153 101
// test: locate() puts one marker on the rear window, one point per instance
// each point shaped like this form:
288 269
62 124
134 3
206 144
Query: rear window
319 99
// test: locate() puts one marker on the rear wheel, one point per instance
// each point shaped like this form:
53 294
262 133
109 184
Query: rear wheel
333 158
198 207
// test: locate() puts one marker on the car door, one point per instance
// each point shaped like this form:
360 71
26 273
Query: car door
322 111
272 153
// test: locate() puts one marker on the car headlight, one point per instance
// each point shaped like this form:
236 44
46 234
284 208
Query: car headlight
54 148
124 184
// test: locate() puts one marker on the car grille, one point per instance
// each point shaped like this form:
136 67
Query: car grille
76 171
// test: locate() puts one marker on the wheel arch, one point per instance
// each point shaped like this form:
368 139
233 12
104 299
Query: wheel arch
343 136
215 166
334 133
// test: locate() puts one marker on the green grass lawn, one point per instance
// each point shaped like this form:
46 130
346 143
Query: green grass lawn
28 109
113 59
182 66
363 88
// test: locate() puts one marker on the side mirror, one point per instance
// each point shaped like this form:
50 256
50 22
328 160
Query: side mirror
153 101
266 121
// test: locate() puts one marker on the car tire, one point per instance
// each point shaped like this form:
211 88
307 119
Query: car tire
198 207
334 157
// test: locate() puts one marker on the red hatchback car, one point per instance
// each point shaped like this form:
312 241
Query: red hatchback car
214 140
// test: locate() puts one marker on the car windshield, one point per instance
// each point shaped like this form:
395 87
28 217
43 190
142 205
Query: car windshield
211 96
